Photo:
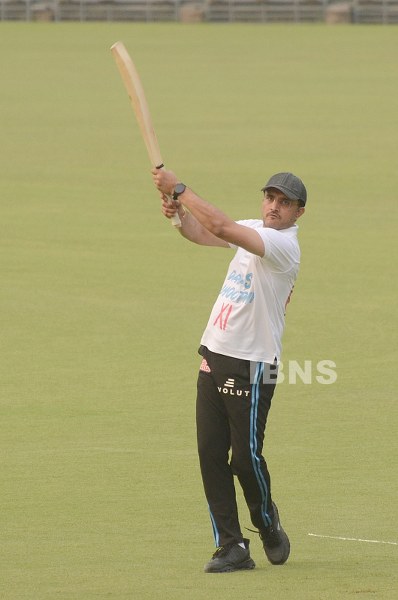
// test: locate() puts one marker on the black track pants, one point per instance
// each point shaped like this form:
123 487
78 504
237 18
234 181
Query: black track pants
233 401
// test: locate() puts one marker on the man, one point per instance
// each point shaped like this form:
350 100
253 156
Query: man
241 348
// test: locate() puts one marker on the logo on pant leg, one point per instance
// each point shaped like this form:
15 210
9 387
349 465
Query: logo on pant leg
229 388
204 366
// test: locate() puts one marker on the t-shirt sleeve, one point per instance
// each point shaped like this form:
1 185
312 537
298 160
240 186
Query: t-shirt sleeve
280 249
253 223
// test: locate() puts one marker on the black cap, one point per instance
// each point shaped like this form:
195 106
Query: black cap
289 184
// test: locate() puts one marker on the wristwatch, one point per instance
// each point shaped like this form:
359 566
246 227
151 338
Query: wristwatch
178 190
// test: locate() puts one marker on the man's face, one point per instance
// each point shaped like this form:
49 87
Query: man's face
279 212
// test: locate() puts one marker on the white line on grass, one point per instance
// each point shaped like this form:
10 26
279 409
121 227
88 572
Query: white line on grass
349 539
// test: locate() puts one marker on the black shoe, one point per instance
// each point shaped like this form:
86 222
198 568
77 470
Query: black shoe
275 541
231 557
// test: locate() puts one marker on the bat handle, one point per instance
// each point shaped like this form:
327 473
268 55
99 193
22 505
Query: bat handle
175 219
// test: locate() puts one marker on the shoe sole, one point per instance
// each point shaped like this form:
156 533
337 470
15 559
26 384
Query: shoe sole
244 566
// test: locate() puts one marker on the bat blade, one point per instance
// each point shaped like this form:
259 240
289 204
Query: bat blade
135 90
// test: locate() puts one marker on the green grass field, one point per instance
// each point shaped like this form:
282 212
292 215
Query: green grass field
102 306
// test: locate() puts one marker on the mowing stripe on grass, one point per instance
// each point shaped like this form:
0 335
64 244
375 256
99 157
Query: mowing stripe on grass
349 539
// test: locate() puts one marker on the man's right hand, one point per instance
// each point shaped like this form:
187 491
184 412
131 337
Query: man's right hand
169 209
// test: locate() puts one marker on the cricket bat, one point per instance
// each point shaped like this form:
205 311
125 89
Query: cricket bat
138 101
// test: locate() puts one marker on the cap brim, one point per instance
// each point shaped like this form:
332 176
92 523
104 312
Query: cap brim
288 193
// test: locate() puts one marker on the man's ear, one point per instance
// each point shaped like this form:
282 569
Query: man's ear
300 211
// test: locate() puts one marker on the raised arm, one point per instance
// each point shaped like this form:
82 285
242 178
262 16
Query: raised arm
190 228
205 223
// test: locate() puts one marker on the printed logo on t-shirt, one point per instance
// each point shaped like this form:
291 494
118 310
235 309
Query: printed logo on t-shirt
237 288
223 316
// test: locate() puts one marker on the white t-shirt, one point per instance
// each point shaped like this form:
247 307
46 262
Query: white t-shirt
248 316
